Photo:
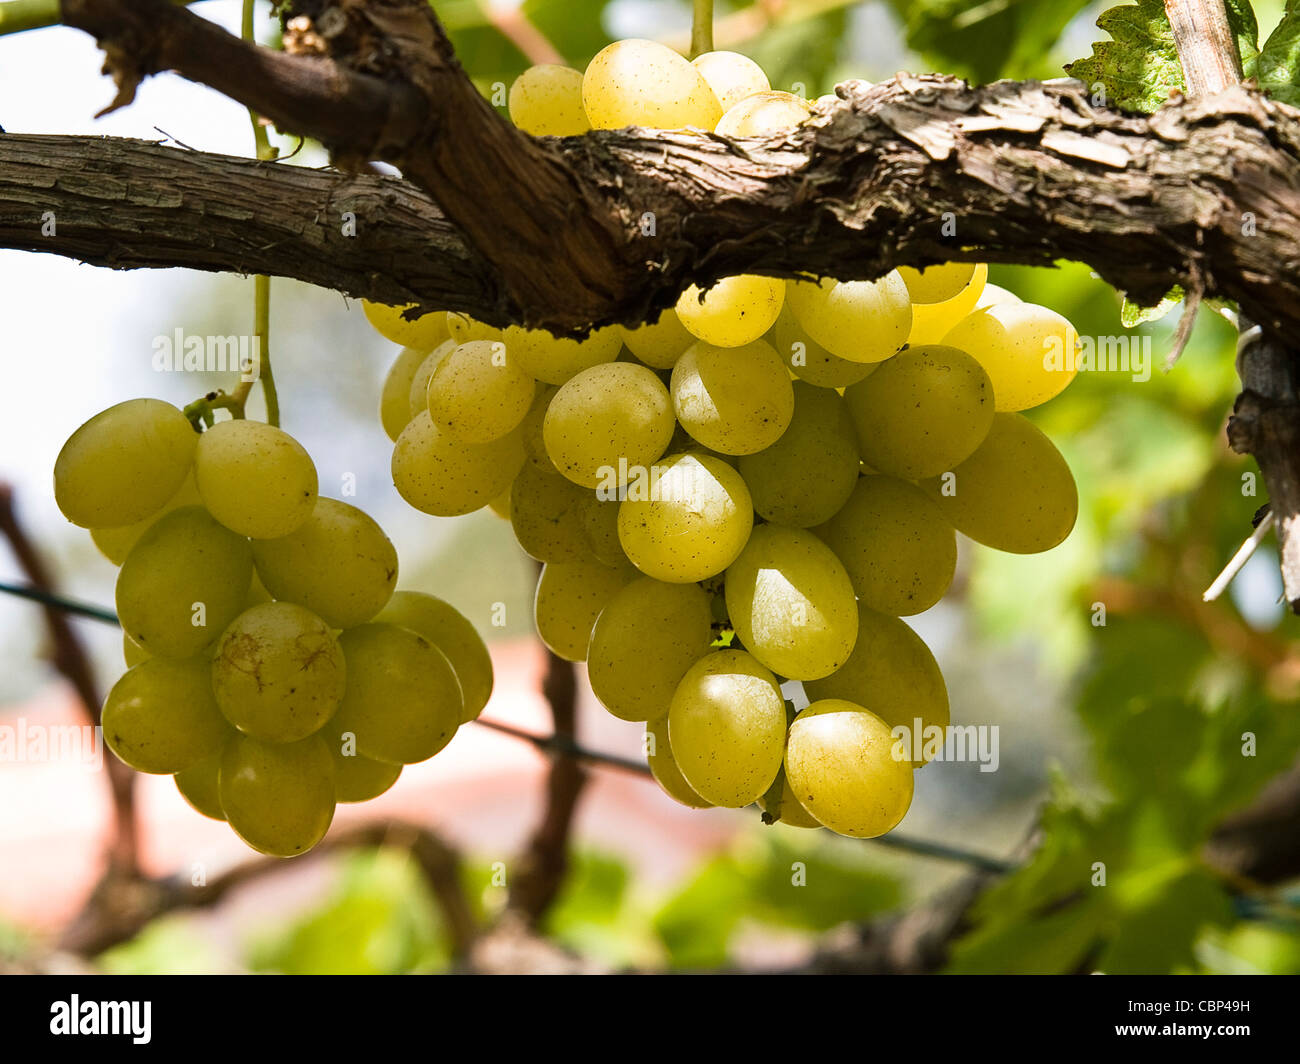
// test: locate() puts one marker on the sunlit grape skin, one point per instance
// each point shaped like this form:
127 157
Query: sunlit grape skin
731 76
254 478
278 798
644 83
1028 352
546 101
860 321
425 332
734 400
733 312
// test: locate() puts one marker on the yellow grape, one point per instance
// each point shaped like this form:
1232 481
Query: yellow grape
200 786
1027 350
789 811
937 284
726 724
841 767
1015 493
807 476
124 464
731 76
465 329
690 523
531 429
160 716
600 526
445 477
555 359
132 652
278 798
425 332
116 543
922 412
357 778
395 398
477 394
659 756
898 547
547 514
254 478
931 321
661 343
992 295
546 101
183 583
733 312
736 400
644 83
809 361
763 114
644 640
501 505
417 395
607 421
451 632
861 321
570 596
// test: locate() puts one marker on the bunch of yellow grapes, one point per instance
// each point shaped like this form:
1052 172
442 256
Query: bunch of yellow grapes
752 489
272 669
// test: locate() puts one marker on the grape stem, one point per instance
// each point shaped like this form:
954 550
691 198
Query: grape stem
702 28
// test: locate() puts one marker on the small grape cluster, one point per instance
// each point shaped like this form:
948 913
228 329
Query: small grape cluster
752 489
272 668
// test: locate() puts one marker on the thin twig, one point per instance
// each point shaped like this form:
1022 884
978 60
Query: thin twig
519 30
1239 559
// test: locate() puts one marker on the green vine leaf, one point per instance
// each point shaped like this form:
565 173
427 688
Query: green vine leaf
1134 314
1278 67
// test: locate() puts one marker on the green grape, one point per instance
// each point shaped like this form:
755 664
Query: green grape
278 673
160 716
734 312
478 395
841 766
465 329
806 476
1015 493
600 527
659 756
789 811
124 464
731 76
1027 350
992 294
764 114
417 395
445 477
501 505
690 523
257 593
736 400
891 673
644 83
791 603
531 429
403 702
937 284
254 478
338 563
395 398
645 639
661 343
278 798
809 361
607 422
183 583
932 321
546 101
570 596
116 543
898 548
452 633
200 786
132 652
861 321
555 359
546 513
726 724
356 778
923 412
425 332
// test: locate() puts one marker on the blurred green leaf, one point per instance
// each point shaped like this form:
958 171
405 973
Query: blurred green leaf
170 946
1278 68
1159 935
1134 314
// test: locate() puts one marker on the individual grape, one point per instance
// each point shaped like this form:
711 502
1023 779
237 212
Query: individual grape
160 716
278 798
279 673
645 639
806 476
788 810
922 412
891 673
937 284
861 321
531 429
124 464
733 312
116 543
395 398
183 583
898 548
1015 493
555 359
452 633
764 114
403 702
200 786
931 321
132 652
254 478
546 101
356 778
736 400
661 343
570 596
1027 350
465 329
690 523
731 76
791 603
726 725
445 477
606 422
659 756
501 505
338 563
841 766
992 294
417 396
643 83
600 526
425 332
809 361
477 394
546 513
